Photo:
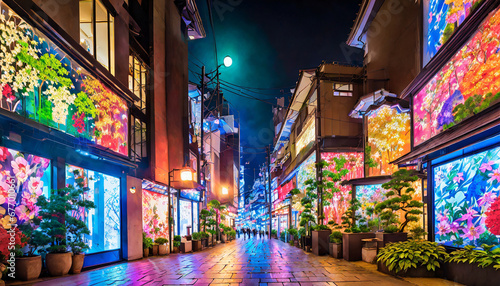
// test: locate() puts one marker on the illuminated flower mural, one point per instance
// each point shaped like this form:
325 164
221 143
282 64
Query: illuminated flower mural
41 82
466 195
388 138
441 19
466 85
154 214
23 178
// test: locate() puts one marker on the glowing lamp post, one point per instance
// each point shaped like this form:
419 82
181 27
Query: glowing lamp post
228 61
225 191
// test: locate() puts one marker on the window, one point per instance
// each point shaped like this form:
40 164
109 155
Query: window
137 80
103 221
138 140
97 33
342 89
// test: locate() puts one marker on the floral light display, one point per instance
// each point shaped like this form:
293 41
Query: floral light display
464 86
154 214
466 193
340 200
23 178
42 83
441 19
104 220
388 137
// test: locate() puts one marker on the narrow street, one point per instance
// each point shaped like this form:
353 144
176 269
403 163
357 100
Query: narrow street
241 262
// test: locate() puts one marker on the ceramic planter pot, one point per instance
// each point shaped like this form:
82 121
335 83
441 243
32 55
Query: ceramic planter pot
320 241
77 263
196 245
176 249
336 250
385 238
58 264
28 268
146 252
352 245
162 249
155 249
412 272
204 242
471 274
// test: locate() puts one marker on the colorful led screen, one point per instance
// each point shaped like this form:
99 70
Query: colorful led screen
388 138
23 178
340 201
104 220
464 86
441 19
154 214
40 82
467 200
191 194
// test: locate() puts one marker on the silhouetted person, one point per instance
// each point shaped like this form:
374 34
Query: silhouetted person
254 232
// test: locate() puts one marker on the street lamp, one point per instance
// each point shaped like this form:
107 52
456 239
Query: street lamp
180 179
225 191
228 61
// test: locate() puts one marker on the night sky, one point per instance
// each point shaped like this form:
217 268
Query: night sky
269 42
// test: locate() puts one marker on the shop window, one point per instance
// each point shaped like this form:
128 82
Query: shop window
104 220
342 89
29 176
467 200
138 140
195 217
97 34
186 217
155 214
138 79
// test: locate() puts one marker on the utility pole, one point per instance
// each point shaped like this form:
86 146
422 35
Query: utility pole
269 187
202 149
319 171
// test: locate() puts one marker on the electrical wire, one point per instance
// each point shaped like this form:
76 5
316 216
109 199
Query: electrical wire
245 95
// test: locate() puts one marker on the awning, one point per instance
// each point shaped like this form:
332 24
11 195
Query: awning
374 100
467 129
375 180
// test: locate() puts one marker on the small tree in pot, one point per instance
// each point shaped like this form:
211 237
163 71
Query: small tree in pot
355 230
196 238
399 198
147 243
336 244
215 204
294 233
177 243
162 245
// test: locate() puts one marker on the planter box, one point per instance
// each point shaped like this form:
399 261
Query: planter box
369 254
296 243
28 268
412 272
352 245
306 241
223 238
196 245
320 241
162 249
156 249
204 242
336 250
385 238
471 274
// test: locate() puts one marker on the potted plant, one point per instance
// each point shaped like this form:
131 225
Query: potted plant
215 204
283 235
196 238
302 235
355 230
274 233
336 244
28 266
162 245
222 233
55 215
411 258
177 243
147 243
205 216
294 235
474 265
399 198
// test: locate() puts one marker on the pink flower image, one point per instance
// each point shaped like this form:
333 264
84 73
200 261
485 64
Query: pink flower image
35 186
4 152
469 215
455 227
472 231
21 169
443 216
486 199
444 228
495 175
459 177
486 166
22 213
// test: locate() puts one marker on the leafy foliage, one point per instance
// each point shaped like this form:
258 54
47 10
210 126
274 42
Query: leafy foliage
399 198
352 221
147 242
161 240
336 237
401 256
485 256
196 236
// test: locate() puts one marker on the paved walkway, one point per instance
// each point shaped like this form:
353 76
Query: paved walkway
241 262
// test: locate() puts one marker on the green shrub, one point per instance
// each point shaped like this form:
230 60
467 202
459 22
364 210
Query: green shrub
177 238
294 233
177 243
336 237
485 256
274 232
161 240
322 227
204 235
196 236
401 256
147 242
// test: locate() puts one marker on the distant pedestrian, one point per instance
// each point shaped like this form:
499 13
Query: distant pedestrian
244 233
254 232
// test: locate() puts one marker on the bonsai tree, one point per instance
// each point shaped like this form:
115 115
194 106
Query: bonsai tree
34 240
161 240
336 237
215 204
399 199
177 241
352 222
56 220
294 232
147 242
196 236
